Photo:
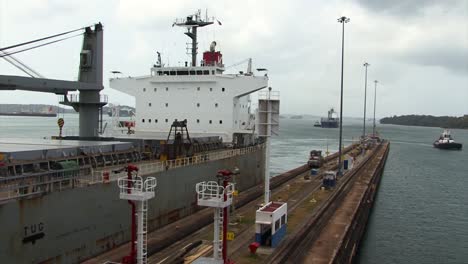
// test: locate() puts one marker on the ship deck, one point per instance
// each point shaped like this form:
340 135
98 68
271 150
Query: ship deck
31 149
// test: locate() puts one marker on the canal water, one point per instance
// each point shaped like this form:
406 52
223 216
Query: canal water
421 211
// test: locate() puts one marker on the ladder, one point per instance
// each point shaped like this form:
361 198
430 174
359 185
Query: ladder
142 253
218 234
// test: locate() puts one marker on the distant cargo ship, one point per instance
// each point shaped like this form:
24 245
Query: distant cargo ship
28 114
296 117
48 113
331 121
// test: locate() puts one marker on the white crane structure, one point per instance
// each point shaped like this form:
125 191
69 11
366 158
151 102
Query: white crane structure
139 191
212 194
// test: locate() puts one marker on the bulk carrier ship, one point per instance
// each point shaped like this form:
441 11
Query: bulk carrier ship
59 201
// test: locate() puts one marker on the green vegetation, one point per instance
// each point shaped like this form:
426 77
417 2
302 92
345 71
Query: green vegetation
427 120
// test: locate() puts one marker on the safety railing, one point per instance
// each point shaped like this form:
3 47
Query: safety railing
151 167
271 95
58 180
137 185
211 194
75 98
137 188
28 185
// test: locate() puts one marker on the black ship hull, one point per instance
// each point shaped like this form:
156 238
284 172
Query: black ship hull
455 146
329 124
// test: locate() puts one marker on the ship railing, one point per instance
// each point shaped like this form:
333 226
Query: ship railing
268 95
38 183
75 98
151 167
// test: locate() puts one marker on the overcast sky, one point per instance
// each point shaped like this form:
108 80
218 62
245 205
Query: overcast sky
418 49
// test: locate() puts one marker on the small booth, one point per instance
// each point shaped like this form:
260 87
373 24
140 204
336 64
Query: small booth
270 224
329 180
348 162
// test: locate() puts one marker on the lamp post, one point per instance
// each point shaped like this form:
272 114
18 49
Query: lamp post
375 100
341 20
365 102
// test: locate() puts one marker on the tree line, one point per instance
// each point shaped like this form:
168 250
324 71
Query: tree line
427 120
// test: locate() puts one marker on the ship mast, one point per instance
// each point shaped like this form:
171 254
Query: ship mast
192 22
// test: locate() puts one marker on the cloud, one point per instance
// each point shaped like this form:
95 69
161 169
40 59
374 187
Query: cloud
407 8
454 59
408 44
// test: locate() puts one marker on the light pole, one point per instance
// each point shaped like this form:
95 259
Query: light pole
375 100
365 98
341 20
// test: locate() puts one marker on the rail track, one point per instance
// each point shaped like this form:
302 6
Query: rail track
293 248
176 252
172 235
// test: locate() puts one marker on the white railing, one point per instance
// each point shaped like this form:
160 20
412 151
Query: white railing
137 185
88 176
211 194
13 188
271 95
151 167
137 189
75 98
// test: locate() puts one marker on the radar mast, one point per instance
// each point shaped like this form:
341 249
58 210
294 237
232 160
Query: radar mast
192 22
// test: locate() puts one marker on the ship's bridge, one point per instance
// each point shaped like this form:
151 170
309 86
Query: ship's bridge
186 71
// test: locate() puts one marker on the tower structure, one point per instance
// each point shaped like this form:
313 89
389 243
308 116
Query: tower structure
217 195
137 191
192 23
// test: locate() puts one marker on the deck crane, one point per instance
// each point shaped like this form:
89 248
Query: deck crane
89 102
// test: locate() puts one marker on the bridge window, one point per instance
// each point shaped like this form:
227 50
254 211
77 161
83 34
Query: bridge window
198 121
167 88
167 105
216 104
222 89
155 120
198 88
206 72
143 120
167 120
198 104
144 89
192 72
155 89
211 89
172 73
199 72
220 121
212 72
149 104
211 122
149 120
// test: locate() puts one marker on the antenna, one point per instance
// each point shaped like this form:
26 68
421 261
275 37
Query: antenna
192 22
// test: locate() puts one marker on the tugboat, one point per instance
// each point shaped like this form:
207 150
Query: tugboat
446 141
317 124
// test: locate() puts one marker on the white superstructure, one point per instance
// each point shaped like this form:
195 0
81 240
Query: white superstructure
214 104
